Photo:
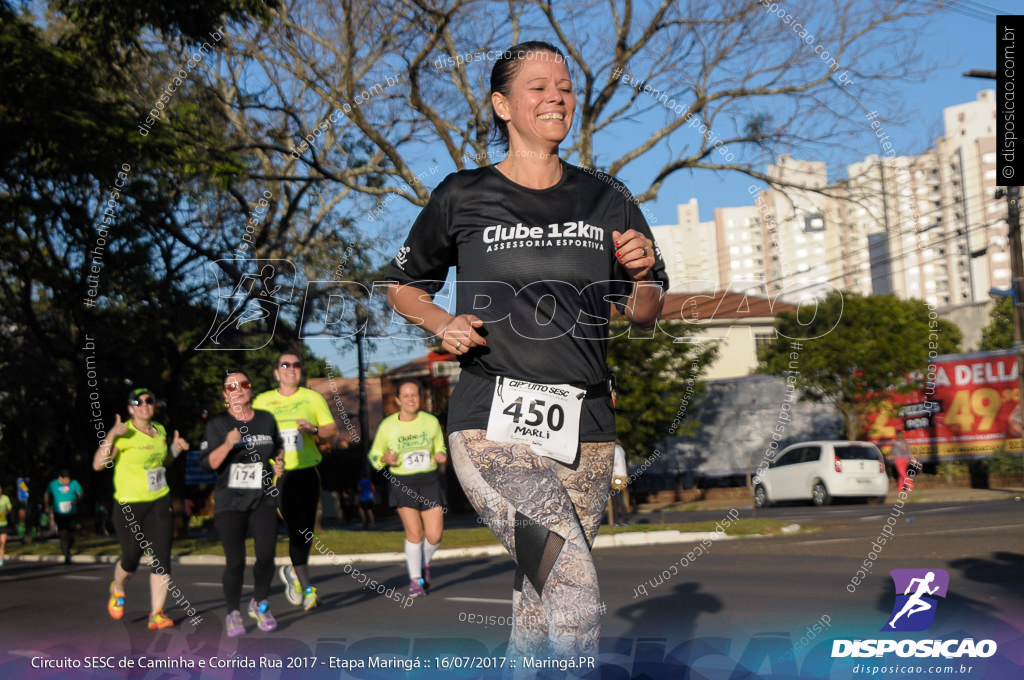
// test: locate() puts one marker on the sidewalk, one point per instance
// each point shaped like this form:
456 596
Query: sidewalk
639 538
930 495
607 541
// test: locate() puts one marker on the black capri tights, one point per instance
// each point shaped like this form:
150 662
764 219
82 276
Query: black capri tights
232 526
145 528
300 493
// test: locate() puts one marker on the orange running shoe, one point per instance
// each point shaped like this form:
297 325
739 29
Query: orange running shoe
159 620
115 605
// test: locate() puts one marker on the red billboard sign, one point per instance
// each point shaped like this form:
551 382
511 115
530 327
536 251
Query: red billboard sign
968 407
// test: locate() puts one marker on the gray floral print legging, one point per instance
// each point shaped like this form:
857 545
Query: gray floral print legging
546 514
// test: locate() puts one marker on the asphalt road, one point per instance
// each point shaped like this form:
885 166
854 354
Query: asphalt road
748 600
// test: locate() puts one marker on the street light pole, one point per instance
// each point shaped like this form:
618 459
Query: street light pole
1017 272
1016 268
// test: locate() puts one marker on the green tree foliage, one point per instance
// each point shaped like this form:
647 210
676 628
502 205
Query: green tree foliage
998 333
101 254
653 374
851 351
104 27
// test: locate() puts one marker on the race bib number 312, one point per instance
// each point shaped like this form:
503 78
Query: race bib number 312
291 440
547 417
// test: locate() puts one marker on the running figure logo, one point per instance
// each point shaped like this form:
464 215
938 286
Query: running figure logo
247 315
914 610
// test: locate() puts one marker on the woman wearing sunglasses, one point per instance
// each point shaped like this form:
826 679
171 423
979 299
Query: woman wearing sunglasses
138 451
241 445
302 416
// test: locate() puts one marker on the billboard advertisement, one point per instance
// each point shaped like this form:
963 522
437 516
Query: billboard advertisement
967 407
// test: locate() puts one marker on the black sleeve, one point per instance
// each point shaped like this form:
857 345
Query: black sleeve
278 442
428 251
213 437
635 220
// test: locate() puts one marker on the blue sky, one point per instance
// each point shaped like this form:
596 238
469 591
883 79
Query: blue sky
957 40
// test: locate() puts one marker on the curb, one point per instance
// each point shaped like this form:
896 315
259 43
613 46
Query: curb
637 538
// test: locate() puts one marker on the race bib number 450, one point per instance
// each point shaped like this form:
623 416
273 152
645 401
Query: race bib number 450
547 417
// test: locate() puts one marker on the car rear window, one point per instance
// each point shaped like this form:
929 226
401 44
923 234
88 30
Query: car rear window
851 452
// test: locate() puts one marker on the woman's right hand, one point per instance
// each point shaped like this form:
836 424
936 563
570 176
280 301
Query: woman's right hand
459 335
118 427
233 437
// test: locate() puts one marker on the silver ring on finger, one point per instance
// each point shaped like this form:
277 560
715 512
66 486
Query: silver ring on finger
458 345
644 252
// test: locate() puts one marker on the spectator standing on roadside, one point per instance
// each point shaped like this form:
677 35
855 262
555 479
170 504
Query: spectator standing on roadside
620 476
365 488
901 460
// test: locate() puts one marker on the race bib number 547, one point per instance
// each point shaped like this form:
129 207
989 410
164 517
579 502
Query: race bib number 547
547 417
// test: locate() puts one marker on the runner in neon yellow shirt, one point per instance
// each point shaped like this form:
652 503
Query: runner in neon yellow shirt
138 451
302 416
5 507
411 444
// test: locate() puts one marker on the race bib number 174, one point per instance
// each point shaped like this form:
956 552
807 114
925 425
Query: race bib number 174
547 417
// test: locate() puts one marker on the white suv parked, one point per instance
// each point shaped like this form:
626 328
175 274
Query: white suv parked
823 470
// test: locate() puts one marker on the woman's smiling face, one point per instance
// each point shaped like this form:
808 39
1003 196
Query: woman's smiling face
540 103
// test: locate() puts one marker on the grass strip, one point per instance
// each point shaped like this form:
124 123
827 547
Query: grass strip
358 542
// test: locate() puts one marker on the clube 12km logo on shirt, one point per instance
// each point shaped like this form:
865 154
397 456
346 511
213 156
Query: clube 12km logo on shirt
914 611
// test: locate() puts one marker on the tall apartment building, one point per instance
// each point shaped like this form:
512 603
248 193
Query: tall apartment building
968 152
741 248
894 237
805 241
929 226
689 249
924 226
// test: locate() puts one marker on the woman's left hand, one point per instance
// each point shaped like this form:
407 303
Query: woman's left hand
178 443
635 252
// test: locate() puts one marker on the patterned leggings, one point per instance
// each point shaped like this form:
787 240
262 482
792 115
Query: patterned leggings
546 514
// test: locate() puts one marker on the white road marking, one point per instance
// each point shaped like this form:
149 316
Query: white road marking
484 600
919 512
918 533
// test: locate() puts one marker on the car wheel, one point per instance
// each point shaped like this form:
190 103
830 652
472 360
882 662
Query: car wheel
820 495
760 497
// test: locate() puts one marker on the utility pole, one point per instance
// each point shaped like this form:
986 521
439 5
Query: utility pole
1016 265
1017 272
364 415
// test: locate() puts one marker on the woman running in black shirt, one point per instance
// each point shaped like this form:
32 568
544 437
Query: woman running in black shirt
241 445
542 249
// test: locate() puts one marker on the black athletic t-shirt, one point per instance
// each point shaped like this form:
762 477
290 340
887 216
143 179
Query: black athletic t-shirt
539 268
238 488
